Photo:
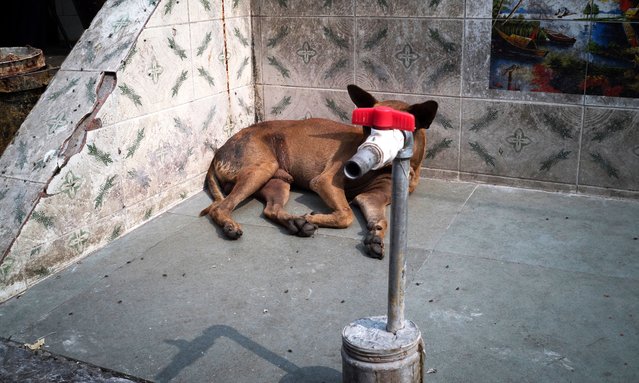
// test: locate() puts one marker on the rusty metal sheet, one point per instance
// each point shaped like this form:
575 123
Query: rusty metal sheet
16 60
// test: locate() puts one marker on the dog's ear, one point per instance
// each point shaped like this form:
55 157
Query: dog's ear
424 114
360 97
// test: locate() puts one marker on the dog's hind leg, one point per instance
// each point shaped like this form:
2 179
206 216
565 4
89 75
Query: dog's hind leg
373 205
249 180
275 194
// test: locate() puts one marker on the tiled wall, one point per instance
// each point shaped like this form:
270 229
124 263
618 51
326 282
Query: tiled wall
308 51
126 130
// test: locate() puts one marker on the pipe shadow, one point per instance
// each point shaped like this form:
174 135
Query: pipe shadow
190 351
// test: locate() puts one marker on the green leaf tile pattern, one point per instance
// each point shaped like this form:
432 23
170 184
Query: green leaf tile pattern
90 94
129 93
99 155
281 105
376 70
206 75
130 150
280 68
141 177
376 39
482 153
104 189
336 67
558 127
43 219
206 4
605 164
168 7
178 50
204 44
243 40
335 38
178 83
554 160
19 213
613 126
339 112
22 159
439 147
209 118
64 90
447 46
282 32
485 120
117 231
242 67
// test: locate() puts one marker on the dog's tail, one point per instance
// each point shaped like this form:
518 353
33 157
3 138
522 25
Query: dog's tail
214 189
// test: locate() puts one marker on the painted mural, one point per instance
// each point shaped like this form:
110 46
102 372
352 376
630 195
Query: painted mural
575 47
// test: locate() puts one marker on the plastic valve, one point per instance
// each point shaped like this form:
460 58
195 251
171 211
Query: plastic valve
384 118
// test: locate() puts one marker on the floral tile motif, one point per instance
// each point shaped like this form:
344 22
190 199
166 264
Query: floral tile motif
240 53
69 97
537 142
170 12
308 51
303 8
157 75
397 8
113 31
610 149
410 55
283 103
209 67
201 10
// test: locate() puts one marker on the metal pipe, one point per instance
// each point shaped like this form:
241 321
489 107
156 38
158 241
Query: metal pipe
362 162
398 236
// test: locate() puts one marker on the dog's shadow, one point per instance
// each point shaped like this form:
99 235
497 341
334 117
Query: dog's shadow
300 203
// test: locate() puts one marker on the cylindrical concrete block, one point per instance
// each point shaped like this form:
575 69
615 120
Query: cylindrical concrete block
370 354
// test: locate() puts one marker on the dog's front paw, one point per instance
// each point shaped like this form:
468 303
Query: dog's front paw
231 231
301 227
374 246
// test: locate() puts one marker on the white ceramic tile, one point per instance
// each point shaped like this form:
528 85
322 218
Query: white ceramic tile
209 66
239 42
169 12
157 76
200 10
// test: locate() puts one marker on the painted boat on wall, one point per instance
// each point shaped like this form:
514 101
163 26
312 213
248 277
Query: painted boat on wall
558 37
520 45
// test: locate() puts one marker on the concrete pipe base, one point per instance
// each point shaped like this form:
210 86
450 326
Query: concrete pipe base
370 354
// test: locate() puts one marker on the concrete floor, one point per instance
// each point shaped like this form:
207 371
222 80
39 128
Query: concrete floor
506 285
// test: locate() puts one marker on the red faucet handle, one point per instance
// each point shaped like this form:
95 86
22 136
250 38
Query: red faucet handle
384 118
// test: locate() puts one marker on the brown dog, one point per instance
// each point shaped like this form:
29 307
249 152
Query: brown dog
265 159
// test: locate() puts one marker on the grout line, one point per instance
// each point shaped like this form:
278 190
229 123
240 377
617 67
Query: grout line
580 146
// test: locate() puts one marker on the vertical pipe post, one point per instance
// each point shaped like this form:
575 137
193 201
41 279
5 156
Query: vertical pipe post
398 235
